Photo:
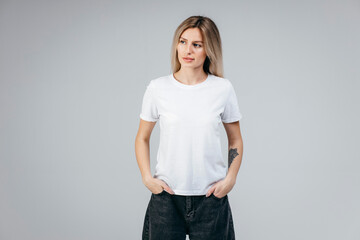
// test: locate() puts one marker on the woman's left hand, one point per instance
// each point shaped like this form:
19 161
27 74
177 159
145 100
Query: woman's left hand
221 188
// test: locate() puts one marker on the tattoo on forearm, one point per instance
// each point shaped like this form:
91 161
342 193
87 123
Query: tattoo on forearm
232 154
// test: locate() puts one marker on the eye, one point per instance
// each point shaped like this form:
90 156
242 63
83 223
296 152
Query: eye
197 45
182 41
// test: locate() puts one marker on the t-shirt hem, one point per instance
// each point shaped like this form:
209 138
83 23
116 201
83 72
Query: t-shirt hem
232 120
148 118
189 193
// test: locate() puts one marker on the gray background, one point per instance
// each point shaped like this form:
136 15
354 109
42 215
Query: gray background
73 74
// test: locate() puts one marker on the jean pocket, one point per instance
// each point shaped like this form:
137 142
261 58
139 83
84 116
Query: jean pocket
218 197
157 194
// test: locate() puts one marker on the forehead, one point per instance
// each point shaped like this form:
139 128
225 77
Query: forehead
192 34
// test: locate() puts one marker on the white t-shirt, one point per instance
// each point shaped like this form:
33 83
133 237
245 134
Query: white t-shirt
189 158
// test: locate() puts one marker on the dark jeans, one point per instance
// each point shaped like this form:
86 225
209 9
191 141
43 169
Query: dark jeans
171 217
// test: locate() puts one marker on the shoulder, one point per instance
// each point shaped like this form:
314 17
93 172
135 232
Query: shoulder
158 82
221 82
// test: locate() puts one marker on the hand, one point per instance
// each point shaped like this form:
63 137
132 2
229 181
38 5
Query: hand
221 188
156 185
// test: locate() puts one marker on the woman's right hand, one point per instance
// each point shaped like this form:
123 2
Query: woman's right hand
156 185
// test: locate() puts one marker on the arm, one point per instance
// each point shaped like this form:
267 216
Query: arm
235 149
142 148
142 152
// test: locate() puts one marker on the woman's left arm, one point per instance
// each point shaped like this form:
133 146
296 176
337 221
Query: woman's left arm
235 150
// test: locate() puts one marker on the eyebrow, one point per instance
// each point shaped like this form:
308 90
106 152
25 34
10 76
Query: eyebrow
193 41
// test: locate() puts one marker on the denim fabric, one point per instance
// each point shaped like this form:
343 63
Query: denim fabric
172 217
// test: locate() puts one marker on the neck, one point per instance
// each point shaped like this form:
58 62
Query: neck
191 76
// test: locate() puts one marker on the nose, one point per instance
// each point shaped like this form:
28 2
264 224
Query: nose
189 49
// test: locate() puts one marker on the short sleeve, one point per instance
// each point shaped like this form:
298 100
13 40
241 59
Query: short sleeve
231 111
149 110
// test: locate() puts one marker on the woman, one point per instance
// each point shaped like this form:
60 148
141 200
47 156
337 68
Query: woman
191 180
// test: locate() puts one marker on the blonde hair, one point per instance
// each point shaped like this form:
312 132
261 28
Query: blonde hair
213 63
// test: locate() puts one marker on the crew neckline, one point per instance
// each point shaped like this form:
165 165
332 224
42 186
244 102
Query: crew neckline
182 85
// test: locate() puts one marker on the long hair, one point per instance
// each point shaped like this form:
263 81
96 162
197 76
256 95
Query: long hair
212 42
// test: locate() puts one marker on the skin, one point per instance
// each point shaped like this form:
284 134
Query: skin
190 73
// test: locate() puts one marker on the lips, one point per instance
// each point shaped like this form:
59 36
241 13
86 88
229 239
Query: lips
188 58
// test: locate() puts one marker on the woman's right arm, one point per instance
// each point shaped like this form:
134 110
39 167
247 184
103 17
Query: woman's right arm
142 152
142 148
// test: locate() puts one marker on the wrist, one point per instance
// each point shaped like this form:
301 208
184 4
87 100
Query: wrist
146 178
230 179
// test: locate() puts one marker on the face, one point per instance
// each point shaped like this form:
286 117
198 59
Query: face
191 46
